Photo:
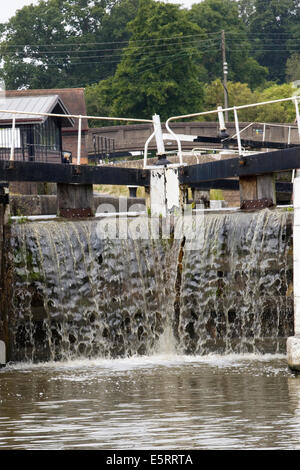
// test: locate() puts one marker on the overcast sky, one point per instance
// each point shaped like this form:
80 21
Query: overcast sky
12 6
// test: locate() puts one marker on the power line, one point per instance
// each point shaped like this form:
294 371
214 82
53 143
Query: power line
133 59
153 47
121 42
139 54
65 52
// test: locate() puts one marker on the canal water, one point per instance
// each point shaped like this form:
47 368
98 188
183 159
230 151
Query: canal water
163 401
145 343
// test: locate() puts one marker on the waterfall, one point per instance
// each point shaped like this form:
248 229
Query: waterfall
74 294
236 294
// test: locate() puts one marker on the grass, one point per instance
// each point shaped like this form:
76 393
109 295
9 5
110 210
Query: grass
115 190
216 195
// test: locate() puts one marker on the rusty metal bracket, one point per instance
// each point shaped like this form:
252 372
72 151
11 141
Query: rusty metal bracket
257 204
76 213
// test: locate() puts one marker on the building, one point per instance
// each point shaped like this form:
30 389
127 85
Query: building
73 101
35 137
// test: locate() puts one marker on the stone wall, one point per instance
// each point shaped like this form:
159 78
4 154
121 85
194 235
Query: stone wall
25 205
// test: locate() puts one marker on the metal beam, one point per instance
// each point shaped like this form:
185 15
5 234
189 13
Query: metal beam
270 162
253 144
66 173
234 185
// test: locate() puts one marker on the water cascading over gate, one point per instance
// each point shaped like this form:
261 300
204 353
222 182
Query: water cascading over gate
71 293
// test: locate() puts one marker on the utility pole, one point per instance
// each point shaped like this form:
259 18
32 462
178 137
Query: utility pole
225 73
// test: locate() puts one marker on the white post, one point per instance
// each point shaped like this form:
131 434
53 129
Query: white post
293 343
297 115
164 191
221 119
13 131
79 141
2 353
158 135
237 129
264 132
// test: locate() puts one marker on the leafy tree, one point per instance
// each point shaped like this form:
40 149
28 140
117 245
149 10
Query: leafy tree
238 93
98 101
273 27
214 16
292 71
60 43
276 112
157 73
246 10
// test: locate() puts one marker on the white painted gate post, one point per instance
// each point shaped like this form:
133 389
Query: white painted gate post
164 191
293 342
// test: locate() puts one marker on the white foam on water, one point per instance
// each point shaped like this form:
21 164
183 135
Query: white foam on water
155 360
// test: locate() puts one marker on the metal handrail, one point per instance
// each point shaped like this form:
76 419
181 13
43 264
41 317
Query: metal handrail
234 109
264 124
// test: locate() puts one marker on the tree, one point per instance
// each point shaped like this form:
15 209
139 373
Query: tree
277 112
292 71
246 10
62 43
273 27
98 101
238 93
214 16
158 71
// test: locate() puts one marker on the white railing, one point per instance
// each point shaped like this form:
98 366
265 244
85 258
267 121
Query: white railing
155 121
236 120
73 116
265 125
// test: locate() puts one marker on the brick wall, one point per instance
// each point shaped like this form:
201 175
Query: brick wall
69 143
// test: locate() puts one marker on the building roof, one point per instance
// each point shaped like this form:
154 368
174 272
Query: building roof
32 104
73 99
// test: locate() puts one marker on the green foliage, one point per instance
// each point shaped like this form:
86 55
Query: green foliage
216 195
277 112
214 16
153 75
240 94
98 101
273 27
59 43
164 80
292 71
